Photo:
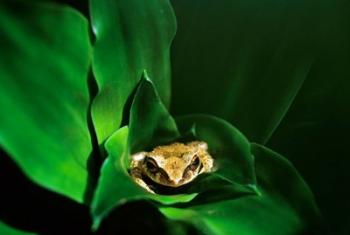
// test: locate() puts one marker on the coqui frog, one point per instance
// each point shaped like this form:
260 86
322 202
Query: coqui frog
171 165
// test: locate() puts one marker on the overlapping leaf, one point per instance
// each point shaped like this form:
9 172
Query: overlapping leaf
131 36
149 123
252 191
225 201
285 205
43 93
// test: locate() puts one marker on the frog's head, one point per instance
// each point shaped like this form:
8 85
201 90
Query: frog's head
176 164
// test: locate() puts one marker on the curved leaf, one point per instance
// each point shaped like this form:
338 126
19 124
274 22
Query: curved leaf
44 98
149 123
223 202
6 230
116 187
131 36
228 146
243 61
285 205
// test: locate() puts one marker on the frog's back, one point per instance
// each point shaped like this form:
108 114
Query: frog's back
173 150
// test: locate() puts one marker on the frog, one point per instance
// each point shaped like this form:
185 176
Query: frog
172 165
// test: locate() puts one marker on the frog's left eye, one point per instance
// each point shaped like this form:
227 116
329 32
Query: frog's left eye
151 165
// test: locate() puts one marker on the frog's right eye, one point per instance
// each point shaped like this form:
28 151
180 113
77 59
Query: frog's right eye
195 163
151 165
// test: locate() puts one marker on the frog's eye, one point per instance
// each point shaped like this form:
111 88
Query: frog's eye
195 163
151 165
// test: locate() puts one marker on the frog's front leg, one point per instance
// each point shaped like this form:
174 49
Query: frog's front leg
136 174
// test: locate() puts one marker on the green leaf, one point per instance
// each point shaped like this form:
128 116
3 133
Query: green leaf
252 191
229 147
243 61
285 205
131 36
7 230
44 62
116 187
149 123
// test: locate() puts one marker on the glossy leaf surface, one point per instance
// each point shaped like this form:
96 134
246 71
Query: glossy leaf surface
131 36
246 195
227 199
43 93
253 189
149 123
285 205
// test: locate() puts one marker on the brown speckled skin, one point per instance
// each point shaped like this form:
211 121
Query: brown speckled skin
175 164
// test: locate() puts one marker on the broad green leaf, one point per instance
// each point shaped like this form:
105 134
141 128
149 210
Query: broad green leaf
285 205
243 61
149 123
7 230
131 36
44 62
242 196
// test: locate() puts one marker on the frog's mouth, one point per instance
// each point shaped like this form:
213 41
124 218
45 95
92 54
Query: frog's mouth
163 189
